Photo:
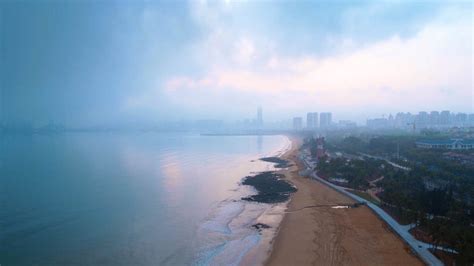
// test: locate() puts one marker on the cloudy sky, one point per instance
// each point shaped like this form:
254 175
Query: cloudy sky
105 62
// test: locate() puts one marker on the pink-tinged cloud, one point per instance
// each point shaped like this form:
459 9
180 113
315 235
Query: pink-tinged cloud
434 68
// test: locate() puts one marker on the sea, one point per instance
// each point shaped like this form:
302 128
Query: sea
110 198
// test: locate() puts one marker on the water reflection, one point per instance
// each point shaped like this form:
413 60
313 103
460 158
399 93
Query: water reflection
172 172
259 143
137 198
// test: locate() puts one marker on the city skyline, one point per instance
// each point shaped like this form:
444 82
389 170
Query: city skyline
309 121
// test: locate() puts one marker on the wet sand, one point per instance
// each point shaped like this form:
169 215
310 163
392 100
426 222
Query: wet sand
327 236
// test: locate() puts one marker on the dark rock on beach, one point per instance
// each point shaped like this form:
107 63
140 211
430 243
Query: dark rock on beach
271 188
260 226
279 162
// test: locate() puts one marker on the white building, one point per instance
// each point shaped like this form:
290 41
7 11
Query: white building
450 144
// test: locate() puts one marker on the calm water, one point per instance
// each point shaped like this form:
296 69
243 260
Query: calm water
130 199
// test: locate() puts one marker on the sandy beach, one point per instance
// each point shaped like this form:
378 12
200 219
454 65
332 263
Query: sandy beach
328 236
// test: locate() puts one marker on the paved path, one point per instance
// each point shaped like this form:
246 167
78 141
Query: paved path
388 161
421 248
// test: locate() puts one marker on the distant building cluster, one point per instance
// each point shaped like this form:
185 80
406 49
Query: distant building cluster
313 121
254 123
322 121
433 119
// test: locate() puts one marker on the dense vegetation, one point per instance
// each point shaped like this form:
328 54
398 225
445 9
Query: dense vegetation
437 193
357 172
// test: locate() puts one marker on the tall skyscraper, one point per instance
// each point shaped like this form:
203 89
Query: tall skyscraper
325 120
259 117
312 120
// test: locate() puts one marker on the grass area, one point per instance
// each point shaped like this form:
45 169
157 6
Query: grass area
365 196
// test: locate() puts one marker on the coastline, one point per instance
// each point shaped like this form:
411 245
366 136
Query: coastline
239 229
328 236
271 217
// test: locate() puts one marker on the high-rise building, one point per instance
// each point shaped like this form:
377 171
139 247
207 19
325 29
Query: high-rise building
470 119
461 119
400 120
444 117
325 120
259 117
297 123
312 120
434 118
422 119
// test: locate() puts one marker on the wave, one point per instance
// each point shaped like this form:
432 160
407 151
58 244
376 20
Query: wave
227 235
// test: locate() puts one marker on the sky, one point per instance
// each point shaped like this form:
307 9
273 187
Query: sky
99 62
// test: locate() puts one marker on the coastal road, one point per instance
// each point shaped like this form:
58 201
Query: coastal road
421 248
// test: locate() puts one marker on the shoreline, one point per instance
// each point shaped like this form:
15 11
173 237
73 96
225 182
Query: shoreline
272 216
329 236
240 229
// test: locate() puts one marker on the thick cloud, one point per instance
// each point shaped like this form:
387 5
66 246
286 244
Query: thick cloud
83 63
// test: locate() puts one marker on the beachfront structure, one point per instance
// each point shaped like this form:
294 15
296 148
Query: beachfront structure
312 120
325 120
320 151
450 144
297 123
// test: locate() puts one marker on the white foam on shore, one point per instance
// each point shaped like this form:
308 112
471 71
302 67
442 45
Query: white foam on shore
231 240
223 217
227 237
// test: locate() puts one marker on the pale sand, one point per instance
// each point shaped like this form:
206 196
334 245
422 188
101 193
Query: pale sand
327 236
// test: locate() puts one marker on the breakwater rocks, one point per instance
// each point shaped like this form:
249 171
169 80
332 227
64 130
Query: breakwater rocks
279 162
271 188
